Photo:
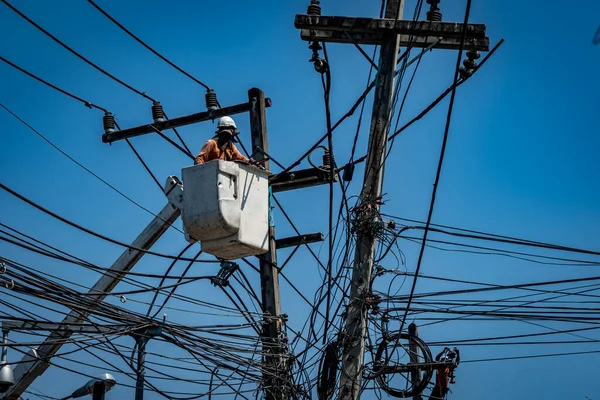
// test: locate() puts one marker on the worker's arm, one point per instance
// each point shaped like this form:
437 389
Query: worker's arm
237 156
207 153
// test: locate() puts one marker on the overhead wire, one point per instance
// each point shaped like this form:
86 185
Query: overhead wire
38 133
89 105
147 46
75 53
441 159
90 63
89 231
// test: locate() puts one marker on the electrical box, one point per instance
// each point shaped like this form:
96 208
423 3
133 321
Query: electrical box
226 207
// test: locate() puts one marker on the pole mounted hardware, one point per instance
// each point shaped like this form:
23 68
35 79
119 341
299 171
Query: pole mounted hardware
421 367
111 135
228 268
391 33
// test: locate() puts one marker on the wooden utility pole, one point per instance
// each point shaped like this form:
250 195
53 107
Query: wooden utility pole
273 378
390 32
415 374
275 382
356 321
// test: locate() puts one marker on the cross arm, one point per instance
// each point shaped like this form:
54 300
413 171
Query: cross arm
376 30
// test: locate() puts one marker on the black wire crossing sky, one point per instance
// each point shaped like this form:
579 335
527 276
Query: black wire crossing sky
485 230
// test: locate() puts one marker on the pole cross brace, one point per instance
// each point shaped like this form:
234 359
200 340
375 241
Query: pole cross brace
299 240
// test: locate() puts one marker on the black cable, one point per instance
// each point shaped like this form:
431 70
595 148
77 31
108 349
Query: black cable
250 289
499 238
91 105
501 252
496 288
139 157
140 41
165 301
86 230
328 371
361 98
441 160
38 133
186 248
185 151
531 356
87 103
446 92
326 80
51 36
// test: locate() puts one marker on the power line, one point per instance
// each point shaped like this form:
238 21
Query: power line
38 133
502 252
497 237
91 105
440 162
574 353
75 53
140 41
451 89
95 66
89 231
37 78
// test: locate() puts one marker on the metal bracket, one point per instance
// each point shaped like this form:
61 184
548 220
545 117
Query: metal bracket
299 240
301 179
174 191
227 269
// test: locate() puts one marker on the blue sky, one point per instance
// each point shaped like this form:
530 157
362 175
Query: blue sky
521 157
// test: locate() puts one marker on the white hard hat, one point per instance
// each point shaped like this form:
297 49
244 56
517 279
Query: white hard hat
226 122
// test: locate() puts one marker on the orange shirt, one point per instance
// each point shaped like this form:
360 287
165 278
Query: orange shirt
211 151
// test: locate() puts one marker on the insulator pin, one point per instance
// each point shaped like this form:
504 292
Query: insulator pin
157 112
109 122
465 73
470 63
473 54
434 14
314 8
211 100
327 159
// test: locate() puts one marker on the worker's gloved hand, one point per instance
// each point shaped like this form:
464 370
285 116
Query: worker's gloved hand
258 163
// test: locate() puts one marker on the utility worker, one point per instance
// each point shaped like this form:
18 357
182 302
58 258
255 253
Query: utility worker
221 146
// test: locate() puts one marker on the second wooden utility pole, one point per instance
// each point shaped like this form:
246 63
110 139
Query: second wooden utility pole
389 32
356 321
273 373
